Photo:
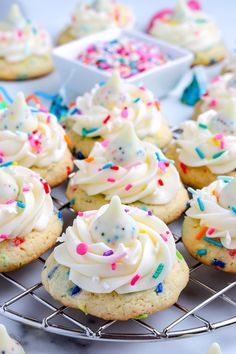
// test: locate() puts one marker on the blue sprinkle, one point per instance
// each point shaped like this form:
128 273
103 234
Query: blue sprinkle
214 242
6 164
102 83
20 204
218 263
108 165
233 209
52 271
225 179
200 153
163 159
5 93
75 111
80 155
192 191
159 288
201 252
200 204
137 100
59 215
75 290
45 95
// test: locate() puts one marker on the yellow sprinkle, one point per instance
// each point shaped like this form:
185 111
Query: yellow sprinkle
215 142
15 163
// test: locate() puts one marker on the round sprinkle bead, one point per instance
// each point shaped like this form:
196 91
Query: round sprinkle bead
82 248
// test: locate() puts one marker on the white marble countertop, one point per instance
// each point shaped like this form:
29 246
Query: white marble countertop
38 342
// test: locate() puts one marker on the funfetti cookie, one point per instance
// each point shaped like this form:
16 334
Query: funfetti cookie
205 149
101 113
25 48
136 171
220 96
29 225
116 263
34 139
95 17
7 344
189 27
209 229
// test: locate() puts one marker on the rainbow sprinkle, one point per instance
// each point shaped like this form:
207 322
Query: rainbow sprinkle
158 271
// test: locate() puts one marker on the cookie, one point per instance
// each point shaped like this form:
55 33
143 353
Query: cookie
29 224
116 263
33 138
25 48
196 177
24 249
208 254
210 56
113 306
136 171
100 115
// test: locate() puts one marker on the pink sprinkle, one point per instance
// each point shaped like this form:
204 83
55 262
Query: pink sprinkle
48 119
26 189
105 143
80 213
2 154
82 248
222 145
142 88
167 232
149 103
164 237
20 34
112 180
125 113
217 78
128 187
113 266
4 236
210 231
213 103
135 279
162 166
44 110
219 136
10 201
194 5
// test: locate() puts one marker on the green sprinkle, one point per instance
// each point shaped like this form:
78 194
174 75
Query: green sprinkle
88 131
218 154
137 100
72 202
179 255
201 252
141 317
3 105
203 126
158 271
225 179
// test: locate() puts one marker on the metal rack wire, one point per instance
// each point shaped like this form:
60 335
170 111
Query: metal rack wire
59 319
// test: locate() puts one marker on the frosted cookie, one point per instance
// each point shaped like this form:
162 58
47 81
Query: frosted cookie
98 16
136 171
209 230
34 139
25 48
100 114
116 263
29 225
205 149
188 26
7 344
220 96
229 64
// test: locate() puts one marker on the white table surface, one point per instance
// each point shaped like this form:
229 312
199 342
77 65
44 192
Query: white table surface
53 15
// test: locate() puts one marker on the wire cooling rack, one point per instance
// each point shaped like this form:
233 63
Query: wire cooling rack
206 304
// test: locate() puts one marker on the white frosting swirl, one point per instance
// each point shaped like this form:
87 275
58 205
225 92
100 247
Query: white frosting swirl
30 137
188 28
19 38
139 174
221 96
102 111
117 248
25 202
218 200
98 16
7 344
202 143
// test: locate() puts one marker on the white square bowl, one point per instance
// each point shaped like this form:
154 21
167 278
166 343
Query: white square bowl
79 77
